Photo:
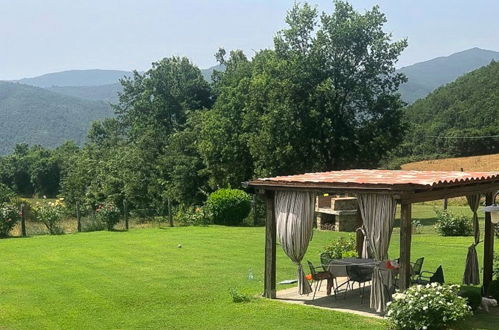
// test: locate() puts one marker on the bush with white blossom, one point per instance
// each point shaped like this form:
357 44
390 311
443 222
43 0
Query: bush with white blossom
431 306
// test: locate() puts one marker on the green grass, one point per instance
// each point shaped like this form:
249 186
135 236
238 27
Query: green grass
140 279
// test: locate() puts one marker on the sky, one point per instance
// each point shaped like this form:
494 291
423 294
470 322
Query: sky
42 36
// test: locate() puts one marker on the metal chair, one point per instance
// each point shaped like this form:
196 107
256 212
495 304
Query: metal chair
325 260
416 267
361 275
318 277
426 277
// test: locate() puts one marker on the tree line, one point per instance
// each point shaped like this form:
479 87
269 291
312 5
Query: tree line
324 98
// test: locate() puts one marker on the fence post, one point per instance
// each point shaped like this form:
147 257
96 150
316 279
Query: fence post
125 211
170 215
23 220
78 217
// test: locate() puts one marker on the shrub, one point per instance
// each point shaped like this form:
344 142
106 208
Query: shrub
50 214
472 294
192 216
9 216
494 289
342 248
239 297
109 214
6 194
449 224
229 206
431 306
495 270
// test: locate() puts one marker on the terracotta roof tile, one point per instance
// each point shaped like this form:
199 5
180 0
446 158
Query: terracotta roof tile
382 177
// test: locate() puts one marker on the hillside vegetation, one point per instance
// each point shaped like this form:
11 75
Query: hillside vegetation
475 163
37 116
424 77
458 119
107 93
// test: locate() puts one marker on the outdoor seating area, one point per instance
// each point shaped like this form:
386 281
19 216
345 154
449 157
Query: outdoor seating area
290 215
344 300
350 277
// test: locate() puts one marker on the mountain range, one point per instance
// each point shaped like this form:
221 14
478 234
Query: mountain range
424 77
458 119
55 107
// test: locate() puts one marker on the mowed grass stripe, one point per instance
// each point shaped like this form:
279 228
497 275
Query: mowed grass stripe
140 279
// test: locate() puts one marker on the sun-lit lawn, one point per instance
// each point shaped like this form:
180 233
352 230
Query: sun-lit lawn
141 279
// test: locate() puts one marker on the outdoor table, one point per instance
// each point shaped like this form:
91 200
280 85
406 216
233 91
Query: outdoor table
338 268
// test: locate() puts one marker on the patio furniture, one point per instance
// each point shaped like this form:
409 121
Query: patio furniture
325 260
416 267
318 277
339 268
426 277
361 275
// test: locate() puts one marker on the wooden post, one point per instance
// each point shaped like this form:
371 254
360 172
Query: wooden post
405 246
254 210
446 202
170 215
270 248
78 217
488 246
23 220
125 213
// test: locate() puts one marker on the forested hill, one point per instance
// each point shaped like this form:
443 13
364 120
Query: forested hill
76 78
107 93
38 116
96 85
458 119
424 77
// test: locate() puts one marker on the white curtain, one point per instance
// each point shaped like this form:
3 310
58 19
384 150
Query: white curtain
378 214
294 211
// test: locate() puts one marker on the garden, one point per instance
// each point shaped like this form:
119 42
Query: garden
196 272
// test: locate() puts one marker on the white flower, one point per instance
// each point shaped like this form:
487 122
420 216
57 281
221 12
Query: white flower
399 296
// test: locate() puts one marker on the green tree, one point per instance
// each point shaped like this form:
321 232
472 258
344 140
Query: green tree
324 99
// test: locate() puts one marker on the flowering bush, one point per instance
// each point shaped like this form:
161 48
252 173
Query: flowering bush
108 213
432 306
449 224
9 216
50 214
342 248
193 216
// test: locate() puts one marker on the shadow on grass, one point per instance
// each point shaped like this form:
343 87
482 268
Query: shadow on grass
481 320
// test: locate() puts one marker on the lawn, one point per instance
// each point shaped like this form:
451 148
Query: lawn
141 279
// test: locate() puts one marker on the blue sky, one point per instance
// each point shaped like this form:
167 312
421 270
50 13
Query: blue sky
40 36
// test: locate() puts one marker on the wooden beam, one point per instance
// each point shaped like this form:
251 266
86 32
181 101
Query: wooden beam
405 246
488 245
326 187
450 192
269 290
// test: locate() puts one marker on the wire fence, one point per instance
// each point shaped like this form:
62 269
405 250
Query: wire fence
84 219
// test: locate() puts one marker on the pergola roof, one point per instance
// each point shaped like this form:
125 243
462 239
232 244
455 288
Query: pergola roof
396 181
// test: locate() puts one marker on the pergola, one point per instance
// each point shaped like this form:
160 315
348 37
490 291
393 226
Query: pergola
406 187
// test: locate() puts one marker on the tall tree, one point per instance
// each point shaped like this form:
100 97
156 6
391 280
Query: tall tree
326 98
